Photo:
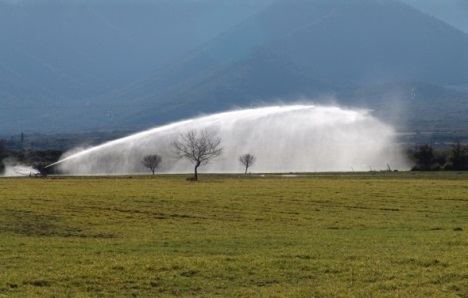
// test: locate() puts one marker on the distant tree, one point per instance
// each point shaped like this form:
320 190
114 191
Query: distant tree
424 157
2 149
198 147
3 154
247 160
441 159
458 157
152 161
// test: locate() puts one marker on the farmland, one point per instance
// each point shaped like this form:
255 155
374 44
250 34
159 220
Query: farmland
323 235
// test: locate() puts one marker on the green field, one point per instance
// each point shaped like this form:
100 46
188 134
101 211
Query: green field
318 235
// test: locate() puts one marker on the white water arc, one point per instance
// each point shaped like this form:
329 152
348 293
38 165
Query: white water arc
293 138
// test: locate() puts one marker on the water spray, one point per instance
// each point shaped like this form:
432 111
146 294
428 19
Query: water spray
292 138
18 170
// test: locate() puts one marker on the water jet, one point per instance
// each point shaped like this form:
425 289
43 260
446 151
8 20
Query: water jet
284 138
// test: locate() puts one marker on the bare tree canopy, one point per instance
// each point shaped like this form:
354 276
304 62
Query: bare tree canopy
152 161
198 147
459 156
247 160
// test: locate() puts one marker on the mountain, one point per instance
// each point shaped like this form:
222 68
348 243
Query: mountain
301 48
58 53
413 106
91 65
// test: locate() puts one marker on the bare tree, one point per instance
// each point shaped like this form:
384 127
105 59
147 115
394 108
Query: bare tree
247 160
197 147
459 156
151 161
424 157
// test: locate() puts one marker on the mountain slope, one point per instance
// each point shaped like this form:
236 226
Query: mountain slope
413 106
304 48
363 42
83 48
56 53
240 84
82 54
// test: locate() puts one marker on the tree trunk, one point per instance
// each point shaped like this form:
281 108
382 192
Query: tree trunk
246 167
195 177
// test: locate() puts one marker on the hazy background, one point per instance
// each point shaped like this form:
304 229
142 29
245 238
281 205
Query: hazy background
106 65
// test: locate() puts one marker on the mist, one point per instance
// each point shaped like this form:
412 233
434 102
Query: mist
16 169
290 138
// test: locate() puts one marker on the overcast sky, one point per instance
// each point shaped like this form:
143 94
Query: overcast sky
454 12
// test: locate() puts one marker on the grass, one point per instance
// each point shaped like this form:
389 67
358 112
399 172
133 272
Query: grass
317 235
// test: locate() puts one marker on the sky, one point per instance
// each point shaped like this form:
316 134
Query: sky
453 12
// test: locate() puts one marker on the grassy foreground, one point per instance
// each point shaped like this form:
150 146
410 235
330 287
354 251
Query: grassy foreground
361 235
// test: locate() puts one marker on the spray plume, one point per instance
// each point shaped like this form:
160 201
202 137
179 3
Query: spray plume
16 169
294 138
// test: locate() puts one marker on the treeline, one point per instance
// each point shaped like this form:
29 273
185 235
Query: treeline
426 158
423 157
